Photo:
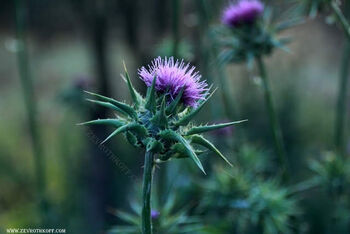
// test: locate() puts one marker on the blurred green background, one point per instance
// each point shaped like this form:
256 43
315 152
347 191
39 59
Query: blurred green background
81 45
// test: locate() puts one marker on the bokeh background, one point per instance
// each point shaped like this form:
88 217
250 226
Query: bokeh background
81 45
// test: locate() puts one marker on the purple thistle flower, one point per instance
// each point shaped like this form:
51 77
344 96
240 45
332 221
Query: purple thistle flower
154 214
172 76
242 12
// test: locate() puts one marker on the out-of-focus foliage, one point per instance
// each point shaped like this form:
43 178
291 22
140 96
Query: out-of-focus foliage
242 201
68 38
333 172
165 49
166 218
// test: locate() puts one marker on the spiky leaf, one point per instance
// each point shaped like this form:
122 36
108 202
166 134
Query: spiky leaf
155 146
151 96
132 139
171 135
201 129
139 129
180 150
136 97
160 118
123 106
108 105
174 104
200 140
111 122
189 116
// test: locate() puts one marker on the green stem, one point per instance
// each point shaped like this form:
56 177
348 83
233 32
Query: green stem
304 186
275 127
146 193
228 101
341 19
176 5
209 56
343 84
342 102
28 94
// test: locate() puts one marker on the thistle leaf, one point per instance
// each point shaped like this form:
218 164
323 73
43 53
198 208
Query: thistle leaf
131 126
123 106
131 139
136 97
171 135
111 122
200 140
188 117
151 97
201 129
160 118
172 107
108 105
155 146
180 150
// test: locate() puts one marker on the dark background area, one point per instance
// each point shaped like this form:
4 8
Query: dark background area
81 45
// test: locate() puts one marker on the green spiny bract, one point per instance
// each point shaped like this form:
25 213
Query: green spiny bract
158 125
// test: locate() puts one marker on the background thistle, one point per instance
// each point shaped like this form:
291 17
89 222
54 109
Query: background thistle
249 31
160 123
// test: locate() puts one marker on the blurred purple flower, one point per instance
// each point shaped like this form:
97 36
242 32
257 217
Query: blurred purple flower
82 83
154 214
242 12
172 76
223 132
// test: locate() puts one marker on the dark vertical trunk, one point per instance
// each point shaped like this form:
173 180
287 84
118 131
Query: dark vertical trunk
99 166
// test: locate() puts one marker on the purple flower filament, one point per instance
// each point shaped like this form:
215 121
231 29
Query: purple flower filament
242 12
172 76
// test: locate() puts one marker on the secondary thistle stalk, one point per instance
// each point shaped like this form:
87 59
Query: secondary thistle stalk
343 89
341 19
146 193
342 102
275 127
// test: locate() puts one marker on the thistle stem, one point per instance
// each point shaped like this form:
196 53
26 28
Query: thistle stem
344 77
146 193
28 94
275 127
341 19
209 56
342 102
304 186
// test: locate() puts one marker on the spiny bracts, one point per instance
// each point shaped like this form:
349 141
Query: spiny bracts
161 124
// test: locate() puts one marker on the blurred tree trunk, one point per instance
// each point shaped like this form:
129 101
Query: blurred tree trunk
99 166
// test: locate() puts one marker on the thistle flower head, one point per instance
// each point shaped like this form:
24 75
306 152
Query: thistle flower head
172 76
242 12
161 121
